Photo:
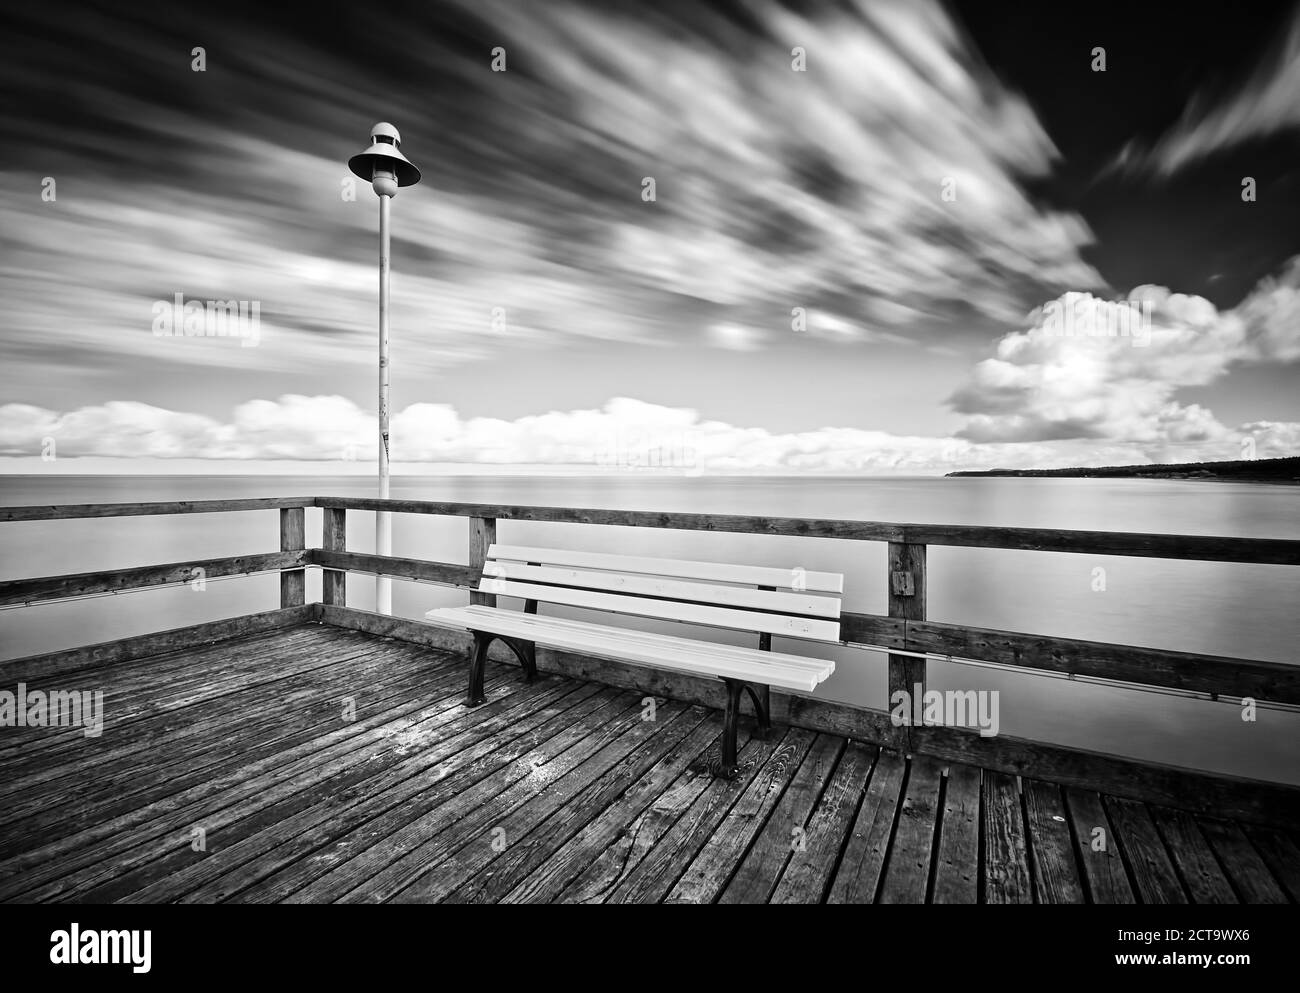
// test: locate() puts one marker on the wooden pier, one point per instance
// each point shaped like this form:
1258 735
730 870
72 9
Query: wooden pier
319 753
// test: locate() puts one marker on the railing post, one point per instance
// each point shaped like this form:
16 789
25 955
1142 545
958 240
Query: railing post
482 533
334 538
293 537
907 601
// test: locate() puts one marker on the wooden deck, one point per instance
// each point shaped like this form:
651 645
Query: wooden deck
317 764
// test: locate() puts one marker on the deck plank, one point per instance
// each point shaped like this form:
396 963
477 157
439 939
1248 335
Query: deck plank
1245 869
612 865
708 873
270 838
163 733
143 783
666 859
155 681
956 869
1148 860
1006 848
389 866
755 878
863 862
1056 874
98 849
686 758
808 874
677 741
1099 849
1193 857
1281 854
168 686
907 870
472 865
145 761
124 718
349 851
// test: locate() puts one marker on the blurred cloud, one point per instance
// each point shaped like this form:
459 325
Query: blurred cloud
1266 103
775 188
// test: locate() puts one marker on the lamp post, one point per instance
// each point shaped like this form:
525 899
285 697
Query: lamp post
385 167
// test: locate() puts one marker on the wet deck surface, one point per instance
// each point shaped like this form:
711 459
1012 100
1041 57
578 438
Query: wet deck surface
317 764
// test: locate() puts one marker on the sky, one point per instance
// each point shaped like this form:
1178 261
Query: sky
851 237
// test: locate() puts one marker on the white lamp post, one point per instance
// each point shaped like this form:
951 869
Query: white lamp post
385 167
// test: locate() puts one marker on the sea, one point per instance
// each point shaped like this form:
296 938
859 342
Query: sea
1240 610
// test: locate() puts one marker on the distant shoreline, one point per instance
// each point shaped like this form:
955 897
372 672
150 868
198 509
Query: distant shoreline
1286 471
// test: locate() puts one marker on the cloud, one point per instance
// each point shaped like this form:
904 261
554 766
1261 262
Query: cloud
624 434
1076 374
776 188
1265 104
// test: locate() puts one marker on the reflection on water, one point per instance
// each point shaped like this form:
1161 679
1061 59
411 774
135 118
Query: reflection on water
1212 608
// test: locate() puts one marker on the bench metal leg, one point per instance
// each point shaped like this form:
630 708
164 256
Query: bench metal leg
731 720
525 652
477 662
762 698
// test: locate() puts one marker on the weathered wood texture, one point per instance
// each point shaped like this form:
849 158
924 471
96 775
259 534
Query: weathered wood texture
482 534
1222 675
334 538
1277 551
444 573
293 538
1253 801
907 602
314 764
56 512
193 636
19 591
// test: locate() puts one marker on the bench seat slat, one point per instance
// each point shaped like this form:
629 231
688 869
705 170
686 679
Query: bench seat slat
681 650
811 629
661 651
715 572
670 589
653 638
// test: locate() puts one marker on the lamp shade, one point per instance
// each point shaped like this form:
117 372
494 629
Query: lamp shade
385 153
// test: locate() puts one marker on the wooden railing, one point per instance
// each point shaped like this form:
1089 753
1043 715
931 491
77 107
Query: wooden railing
903 629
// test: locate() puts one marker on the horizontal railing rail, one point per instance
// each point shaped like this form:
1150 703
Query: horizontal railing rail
31 591
1270 551
49 512
1259 551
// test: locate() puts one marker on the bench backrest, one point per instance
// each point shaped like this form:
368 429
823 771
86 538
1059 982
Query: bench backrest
792 603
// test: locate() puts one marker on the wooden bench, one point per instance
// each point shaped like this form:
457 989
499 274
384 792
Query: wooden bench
792 603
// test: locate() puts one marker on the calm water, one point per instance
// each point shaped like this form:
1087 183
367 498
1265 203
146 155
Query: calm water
1237 610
